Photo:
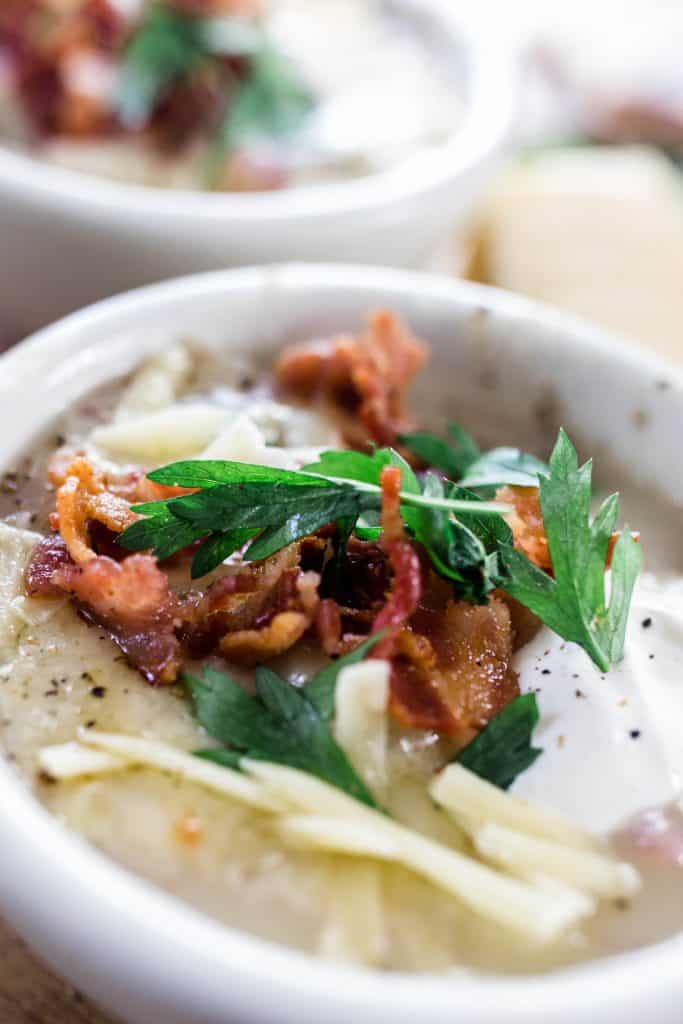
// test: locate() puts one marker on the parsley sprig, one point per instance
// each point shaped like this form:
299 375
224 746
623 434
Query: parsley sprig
466 538
272 102
461 459
573 601
281 723
237 502
169 46
504 749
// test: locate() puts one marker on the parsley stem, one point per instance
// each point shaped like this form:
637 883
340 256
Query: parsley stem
425 501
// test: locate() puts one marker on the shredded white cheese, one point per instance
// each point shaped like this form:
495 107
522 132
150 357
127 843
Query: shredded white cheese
360 723
514 904
467 797
164 434
548 880
524 855
157 384
73 760
62 763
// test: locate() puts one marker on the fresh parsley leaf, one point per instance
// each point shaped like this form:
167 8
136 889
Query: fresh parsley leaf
456 552
463 462
161 532
257 505
350 465
222 756
452 457
504 466
273 102
503 749
573 603
281 506
355 466
205 473
167 46
280 724
320 690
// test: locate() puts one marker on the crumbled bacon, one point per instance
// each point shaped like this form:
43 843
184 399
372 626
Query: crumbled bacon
252 614
133 602
328 626
249 646
81 499
47 557
526 523
187 108
43 43
403 558
362 379
451 670
257 613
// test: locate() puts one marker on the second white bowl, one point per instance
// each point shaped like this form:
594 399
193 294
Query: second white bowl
67 239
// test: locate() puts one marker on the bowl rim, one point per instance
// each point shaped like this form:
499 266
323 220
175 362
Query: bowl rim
119 908
485 125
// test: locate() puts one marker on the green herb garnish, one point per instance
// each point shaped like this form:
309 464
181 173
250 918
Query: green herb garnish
573 603
466 538
503 749
452 457
167 47
272 102
462 461
281 724
237 501
320 690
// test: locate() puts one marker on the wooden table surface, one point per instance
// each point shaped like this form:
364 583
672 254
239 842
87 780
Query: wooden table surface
29 994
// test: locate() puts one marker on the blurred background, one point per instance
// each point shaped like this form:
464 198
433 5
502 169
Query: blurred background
587 214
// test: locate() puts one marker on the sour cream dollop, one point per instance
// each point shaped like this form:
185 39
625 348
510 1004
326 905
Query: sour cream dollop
613 743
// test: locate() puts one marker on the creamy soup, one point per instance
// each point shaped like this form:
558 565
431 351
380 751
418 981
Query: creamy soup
235 96
469 871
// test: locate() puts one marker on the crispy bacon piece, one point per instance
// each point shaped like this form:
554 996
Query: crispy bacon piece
133 601
131 484
451 668
363 379
47 557
249 615
526 523
404 561
257 613
82 499
271 609
250 646
328 626
43 42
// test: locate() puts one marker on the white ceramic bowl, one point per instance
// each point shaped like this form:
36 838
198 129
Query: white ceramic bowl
142 954
67 239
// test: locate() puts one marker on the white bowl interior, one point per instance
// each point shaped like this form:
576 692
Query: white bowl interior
514 369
